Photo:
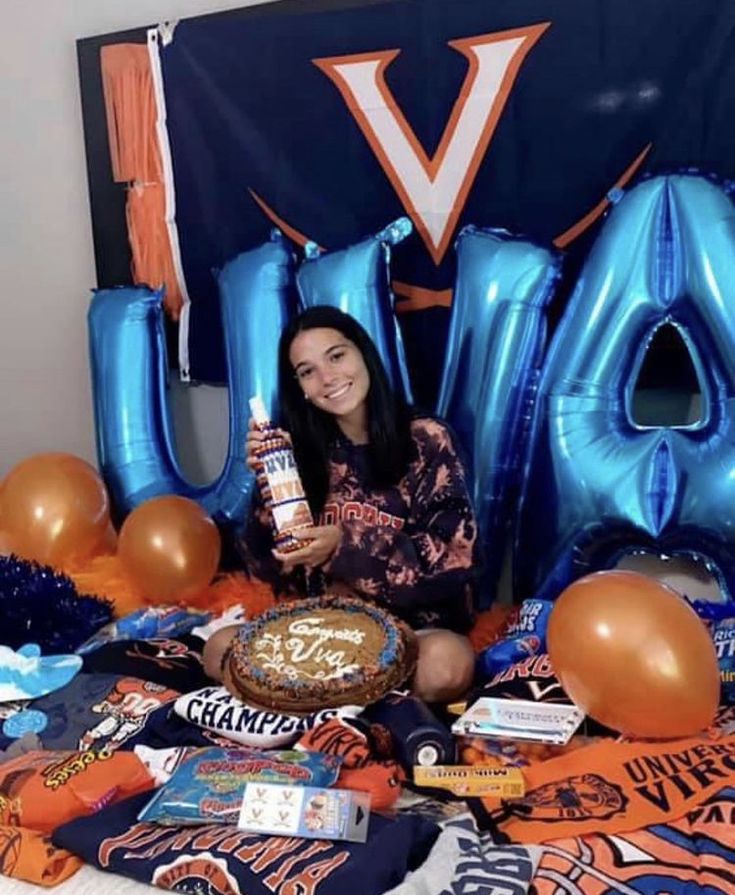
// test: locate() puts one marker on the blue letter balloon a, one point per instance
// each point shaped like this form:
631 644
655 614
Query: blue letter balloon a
597 484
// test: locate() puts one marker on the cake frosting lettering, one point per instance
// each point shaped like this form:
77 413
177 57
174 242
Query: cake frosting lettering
313 626
271 650
306 654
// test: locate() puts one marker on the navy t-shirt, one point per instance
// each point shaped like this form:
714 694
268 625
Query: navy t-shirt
218 859
96 711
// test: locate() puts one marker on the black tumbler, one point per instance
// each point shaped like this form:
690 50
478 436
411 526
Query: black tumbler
418 736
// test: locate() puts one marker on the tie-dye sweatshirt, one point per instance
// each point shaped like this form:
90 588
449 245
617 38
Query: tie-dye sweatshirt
411 547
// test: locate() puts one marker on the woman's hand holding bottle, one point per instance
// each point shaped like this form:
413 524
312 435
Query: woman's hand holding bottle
322 540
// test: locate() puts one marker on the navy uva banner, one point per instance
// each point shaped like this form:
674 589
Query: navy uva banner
334 119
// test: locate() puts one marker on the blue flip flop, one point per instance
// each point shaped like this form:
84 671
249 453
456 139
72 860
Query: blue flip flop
26 674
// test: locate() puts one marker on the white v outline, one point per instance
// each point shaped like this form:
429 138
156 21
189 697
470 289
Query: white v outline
434 191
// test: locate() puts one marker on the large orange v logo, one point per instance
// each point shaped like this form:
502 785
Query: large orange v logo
434 191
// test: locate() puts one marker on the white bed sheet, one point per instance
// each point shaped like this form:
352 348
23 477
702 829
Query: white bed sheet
87 881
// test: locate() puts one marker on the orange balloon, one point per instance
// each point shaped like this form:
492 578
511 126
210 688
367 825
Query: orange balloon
6 542
634 655
169 548
54 508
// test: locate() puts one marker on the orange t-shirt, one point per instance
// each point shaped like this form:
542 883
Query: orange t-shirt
29 855
41 790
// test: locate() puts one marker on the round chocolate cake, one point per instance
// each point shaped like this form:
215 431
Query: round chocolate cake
304 655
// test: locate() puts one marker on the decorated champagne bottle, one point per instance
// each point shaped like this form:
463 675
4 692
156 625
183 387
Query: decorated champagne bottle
280 485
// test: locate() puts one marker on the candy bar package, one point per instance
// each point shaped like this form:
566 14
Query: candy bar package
43 789
525 637
503 783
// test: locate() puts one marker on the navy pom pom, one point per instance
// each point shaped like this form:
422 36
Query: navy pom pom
40 605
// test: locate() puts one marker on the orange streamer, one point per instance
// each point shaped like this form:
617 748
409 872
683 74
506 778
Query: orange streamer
136 159
103 576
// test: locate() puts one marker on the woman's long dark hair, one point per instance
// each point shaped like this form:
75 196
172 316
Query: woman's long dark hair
390 447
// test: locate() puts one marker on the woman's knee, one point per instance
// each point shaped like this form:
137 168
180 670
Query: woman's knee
214 650
445 667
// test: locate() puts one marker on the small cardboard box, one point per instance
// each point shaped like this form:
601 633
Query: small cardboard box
466 780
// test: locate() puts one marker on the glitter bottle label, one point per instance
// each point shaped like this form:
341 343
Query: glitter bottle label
280 483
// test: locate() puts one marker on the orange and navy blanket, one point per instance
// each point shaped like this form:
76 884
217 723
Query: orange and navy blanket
694 855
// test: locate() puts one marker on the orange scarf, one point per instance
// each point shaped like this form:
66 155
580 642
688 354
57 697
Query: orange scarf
613 787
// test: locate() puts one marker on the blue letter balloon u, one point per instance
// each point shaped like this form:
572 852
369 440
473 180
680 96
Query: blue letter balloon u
598 485
135 443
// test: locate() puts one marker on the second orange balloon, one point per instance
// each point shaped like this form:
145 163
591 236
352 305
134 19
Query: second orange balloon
169 548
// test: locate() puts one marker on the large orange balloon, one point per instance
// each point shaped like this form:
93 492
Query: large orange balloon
634 655
54 508
169 548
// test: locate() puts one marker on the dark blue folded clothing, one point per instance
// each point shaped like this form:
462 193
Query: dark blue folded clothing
96 711
217 859
172 663
164 729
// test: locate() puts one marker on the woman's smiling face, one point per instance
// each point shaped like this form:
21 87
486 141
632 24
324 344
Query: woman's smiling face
331 372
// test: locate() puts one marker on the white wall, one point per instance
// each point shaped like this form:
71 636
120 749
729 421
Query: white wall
46 253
